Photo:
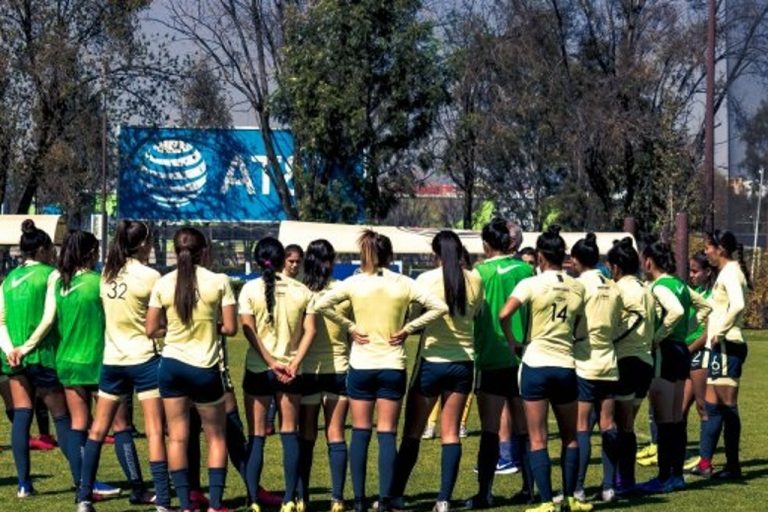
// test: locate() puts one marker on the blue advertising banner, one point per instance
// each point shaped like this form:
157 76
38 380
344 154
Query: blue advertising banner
182 174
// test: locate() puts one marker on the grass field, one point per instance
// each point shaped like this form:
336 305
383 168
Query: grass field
52 480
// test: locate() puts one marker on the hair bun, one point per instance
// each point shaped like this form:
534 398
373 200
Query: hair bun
591 239
28 226
553 230
626 242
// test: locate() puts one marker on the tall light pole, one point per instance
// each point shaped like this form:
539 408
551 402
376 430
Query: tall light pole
709 122
757 221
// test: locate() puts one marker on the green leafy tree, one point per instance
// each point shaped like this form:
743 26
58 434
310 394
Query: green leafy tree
361 86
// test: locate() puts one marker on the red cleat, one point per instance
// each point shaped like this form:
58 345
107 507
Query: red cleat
197 499
269 499
43 442
109 440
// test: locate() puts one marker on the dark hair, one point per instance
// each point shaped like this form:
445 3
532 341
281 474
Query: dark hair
294 248
189 245
129 238
447 246
466 259
661 254
527 251
726 241
702 261
496 234
586 251
77 252
624 255
551 245
33 239
270 257
375 250
318 264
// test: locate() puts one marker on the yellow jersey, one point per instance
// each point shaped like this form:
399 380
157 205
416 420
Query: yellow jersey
556 303
450 338
379 305
728 302
125 301
280 338
594 351
329 352
196 344
638 319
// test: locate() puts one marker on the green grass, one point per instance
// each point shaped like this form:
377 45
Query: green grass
52 480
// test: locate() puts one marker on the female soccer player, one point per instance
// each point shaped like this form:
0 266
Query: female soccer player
674 301
294 257
633 346
31 366
597 369
548 374
702 277
193 307
377 378
445 368
279 325
496 360
729 351
324 375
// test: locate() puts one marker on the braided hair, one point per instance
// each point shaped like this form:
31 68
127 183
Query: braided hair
270 257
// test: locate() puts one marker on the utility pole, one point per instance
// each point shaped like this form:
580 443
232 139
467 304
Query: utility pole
709 123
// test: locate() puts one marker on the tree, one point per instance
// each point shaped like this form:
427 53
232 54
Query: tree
203 103
361 85
755 137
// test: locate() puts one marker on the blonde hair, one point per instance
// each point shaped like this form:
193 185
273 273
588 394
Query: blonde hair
375 250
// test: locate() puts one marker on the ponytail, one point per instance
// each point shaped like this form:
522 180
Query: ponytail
586 251
743 265
447 246
33 239
270 257
129 238
77 252
189 245
375 250
551 245
726 241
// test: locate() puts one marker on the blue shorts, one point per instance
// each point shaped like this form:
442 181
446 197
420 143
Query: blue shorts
434 379
672 360
499 382
700 359
553 383
389 384
201 385
118 381
594 390
39 376
316 388
727 361
266 384
635 376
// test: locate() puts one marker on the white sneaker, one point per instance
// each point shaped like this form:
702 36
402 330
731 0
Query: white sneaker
441 506
557 500
608 495
580 495
429 432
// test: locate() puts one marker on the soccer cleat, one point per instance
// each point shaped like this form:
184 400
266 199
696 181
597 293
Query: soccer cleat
337 506
608 495
653 486
429 432
580 495
43 442
653 460
702 470
522 497
506 467
288 507
674 484
574 505
463 432
477 502
441 506
85 506
141 498
25 490
729 474
558 499
691 463
359 506
254 508
269 499
301 506
549 506
198 500
650 450
104 491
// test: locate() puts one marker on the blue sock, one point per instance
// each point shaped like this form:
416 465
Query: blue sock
193 449
570 470
306 456
505 450
610 457
525 464
666 443
358 460
254 465
216 479
585 451
290 441
678 448
236 443
125 449
710 431
91 456
180 479
337 455
77 439
387 458
516 451
541 468
450 457
731 434
407 456
162 483
22 421
63 426
487 457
